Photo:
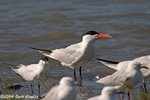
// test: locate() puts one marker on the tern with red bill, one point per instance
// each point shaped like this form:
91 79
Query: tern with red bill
77 54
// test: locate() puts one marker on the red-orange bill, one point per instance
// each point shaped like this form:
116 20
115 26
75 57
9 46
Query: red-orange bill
103 35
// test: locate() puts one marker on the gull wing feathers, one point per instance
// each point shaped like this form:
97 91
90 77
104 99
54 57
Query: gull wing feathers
113 80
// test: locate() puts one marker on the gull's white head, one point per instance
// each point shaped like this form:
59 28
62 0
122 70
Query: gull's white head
67 81
93 35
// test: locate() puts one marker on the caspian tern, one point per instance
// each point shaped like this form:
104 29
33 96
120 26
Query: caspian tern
32 71
77 54
144 60
64 91
126 78
108 93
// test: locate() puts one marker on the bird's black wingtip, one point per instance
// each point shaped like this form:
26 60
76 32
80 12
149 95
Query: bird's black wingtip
97 58
40 49
33 48
104 60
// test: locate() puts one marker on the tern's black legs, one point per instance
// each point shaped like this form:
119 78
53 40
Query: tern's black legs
145 87
75 74
39 89
31 88
80 72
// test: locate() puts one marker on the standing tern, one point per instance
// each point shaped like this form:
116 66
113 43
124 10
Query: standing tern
77 54
108 93
144 60
32 71
125 78
64 91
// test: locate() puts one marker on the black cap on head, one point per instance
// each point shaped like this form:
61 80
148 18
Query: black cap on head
91 33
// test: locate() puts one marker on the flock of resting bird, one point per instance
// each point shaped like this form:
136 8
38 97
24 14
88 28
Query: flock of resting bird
128 73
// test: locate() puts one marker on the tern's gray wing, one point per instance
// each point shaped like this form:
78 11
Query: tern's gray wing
18 67
66 55
52 94
27 72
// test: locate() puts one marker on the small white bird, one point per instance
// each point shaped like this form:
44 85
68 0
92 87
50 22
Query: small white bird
144 60
108 93
64 91
30 72
125 78
77 54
